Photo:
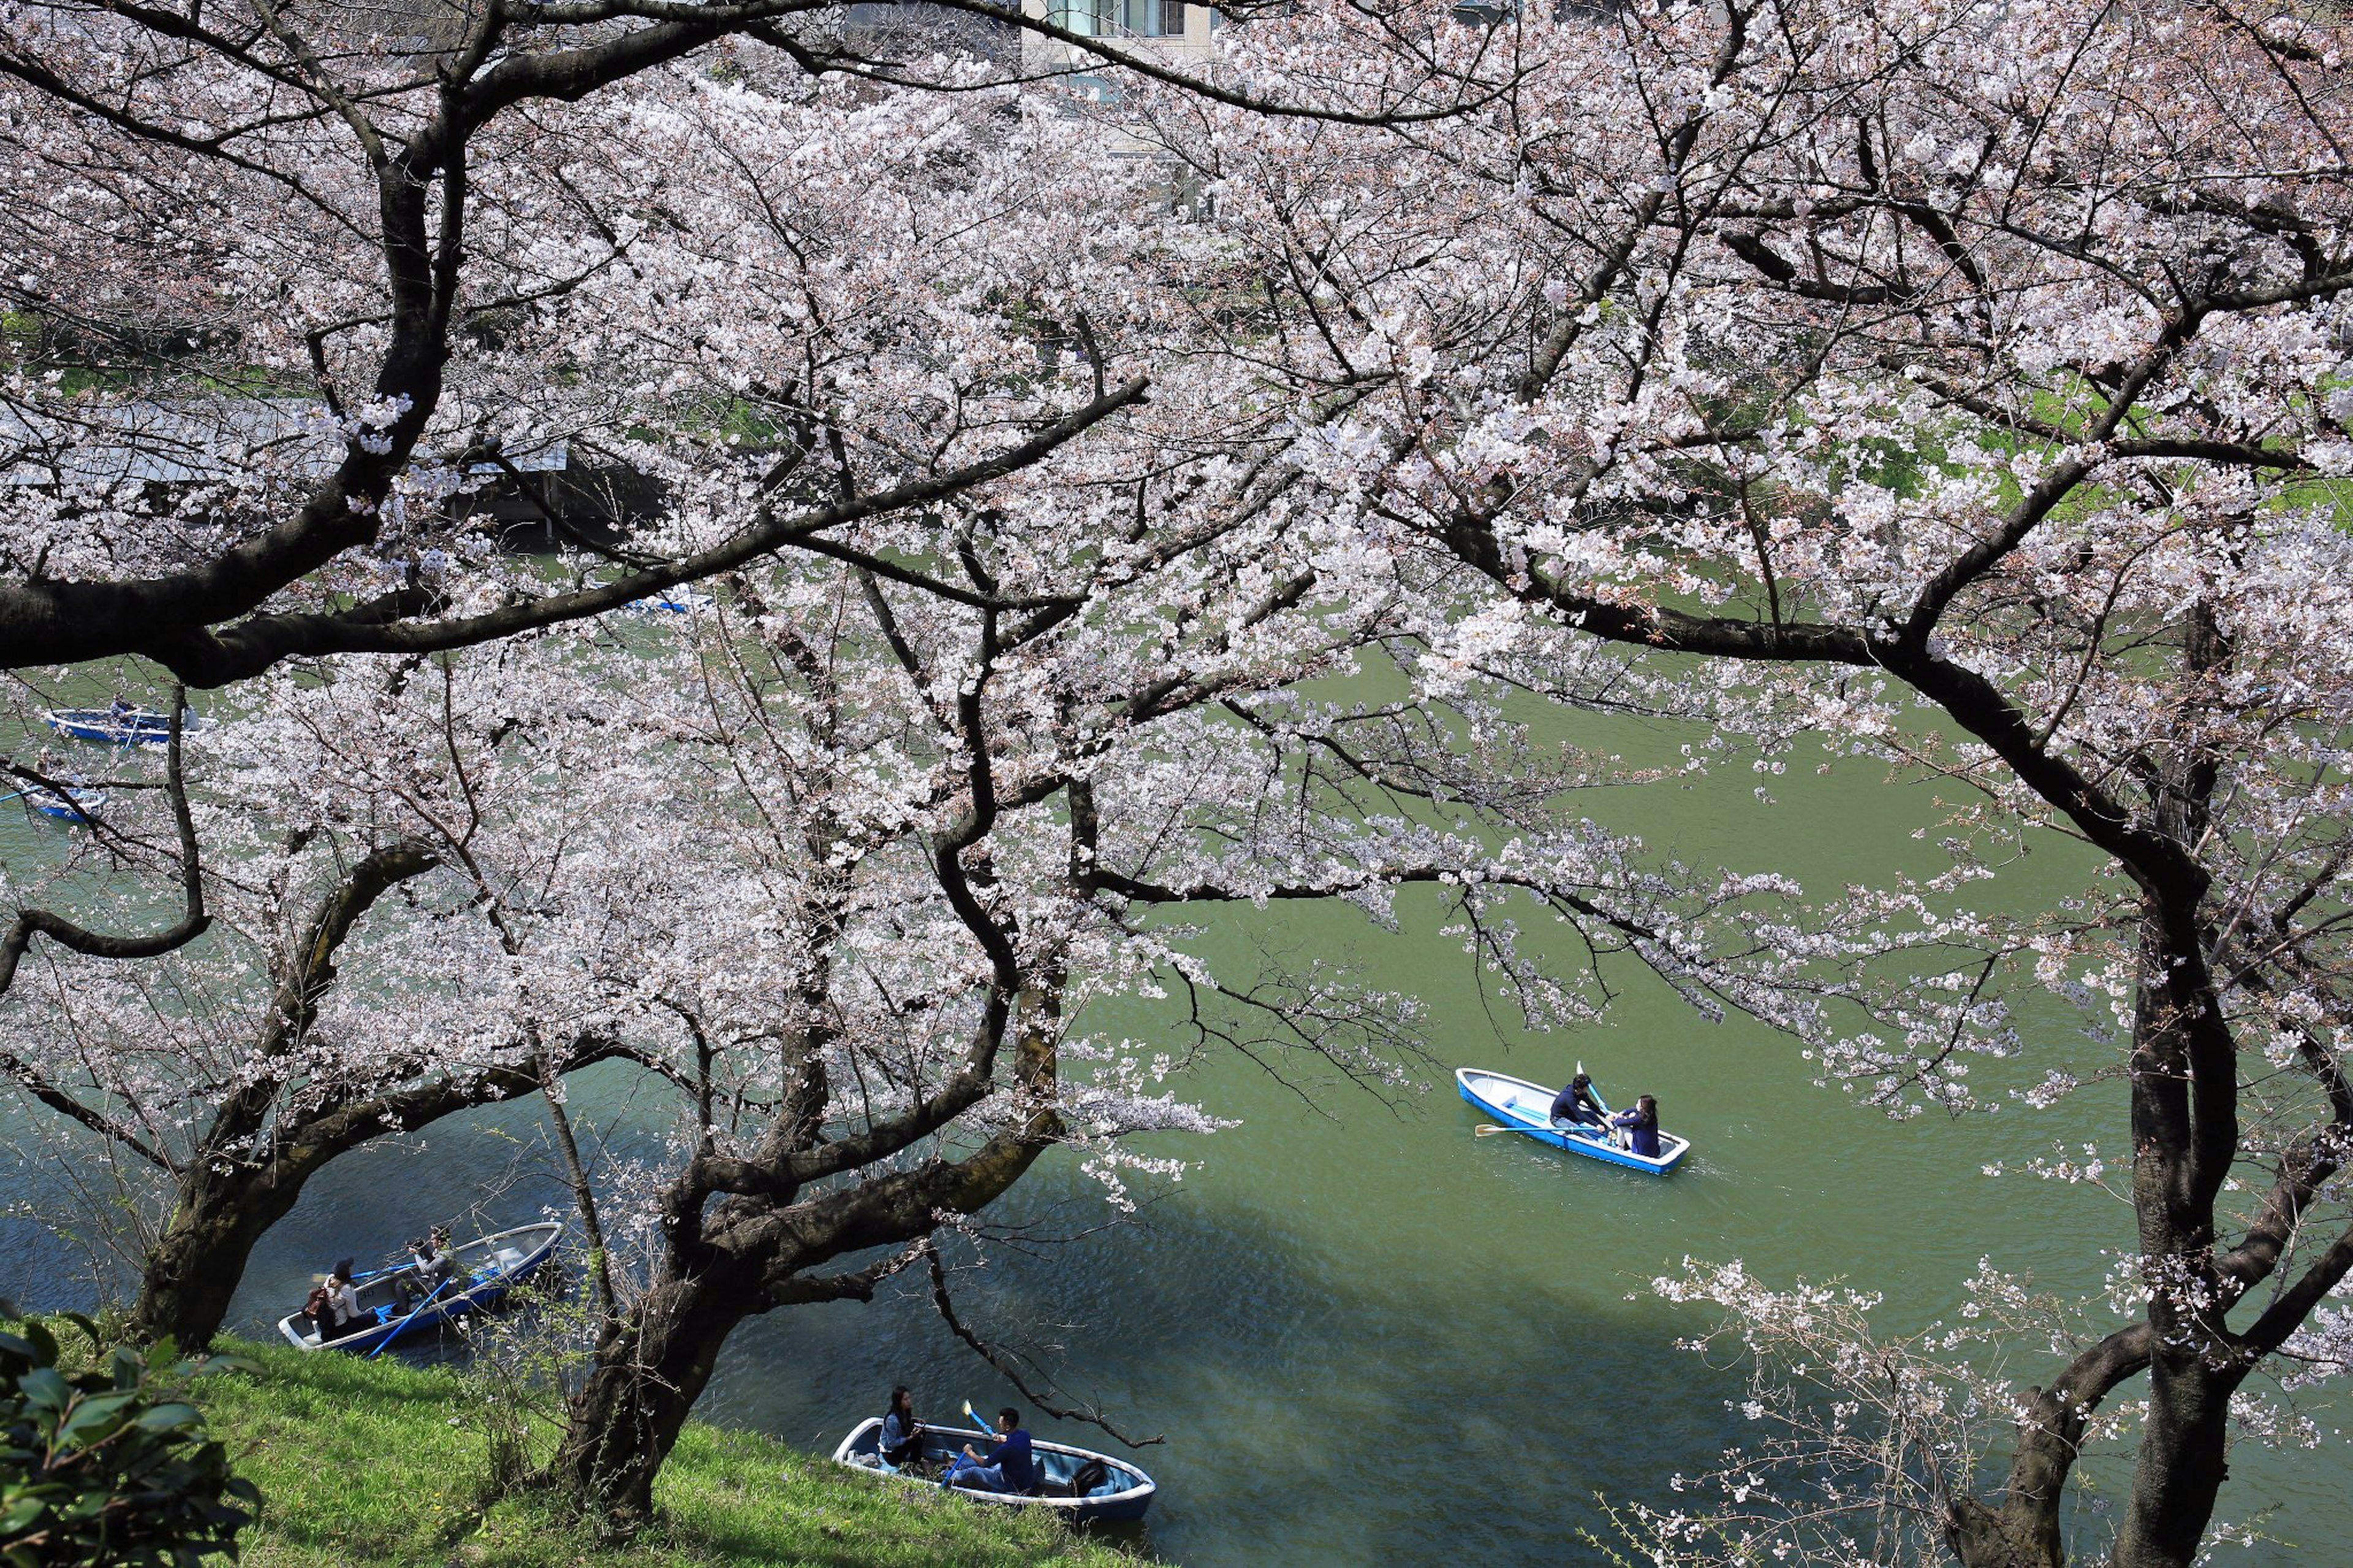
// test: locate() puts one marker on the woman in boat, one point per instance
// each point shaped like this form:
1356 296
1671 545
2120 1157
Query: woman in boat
902 1434
343 1313
1641 1125
1578 1106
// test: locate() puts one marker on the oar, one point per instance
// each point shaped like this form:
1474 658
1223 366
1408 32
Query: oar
957 1457
1602 1134
1608 1133
410 1319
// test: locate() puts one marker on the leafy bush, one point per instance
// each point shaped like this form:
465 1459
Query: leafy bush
103 1463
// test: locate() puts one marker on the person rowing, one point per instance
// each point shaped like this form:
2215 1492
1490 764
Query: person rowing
1007 1467
1578 1106
430 1267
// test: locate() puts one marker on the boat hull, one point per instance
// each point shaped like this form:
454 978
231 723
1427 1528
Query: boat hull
137 727
675 601
495 1264
1124 1495
73 806
1526 1108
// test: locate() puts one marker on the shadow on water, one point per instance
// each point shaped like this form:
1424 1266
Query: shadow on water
1313 1415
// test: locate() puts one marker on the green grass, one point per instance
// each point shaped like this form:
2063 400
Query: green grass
364 1462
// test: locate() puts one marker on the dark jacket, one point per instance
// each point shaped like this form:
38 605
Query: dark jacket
1013 1459
1641 1132
1565 1105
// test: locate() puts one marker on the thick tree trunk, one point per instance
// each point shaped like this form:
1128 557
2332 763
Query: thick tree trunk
2181 1465
196 1266
2022 1533
649 1371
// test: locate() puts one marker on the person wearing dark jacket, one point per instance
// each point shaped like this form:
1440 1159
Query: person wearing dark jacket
1007 1467
1641 1125
1578 1106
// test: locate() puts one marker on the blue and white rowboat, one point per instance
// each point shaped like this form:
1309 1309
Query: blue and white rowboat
486 1270
1123 1493
1525 1107
132 727
73 806
670 602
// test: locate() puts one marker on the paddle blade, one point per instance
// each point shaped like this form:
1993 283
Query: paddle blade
1484 1130
970 1414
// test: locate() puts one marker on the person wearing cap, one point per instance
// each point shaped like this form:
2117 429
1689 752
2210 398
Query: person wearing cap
430 1267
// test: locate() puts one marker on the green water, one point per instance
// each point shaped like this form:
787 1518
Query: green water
1369 1336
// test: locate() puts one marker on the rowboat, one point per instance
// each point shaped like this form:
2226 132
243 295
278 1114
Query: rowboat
113 726
486 1270
1123 1492
1525 1107
73 806
670 602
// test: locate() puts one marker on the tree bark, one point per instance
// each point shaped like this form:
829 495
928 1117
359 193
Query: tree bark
1983 1537
196 1265
194 1269
2181 1466
650 1367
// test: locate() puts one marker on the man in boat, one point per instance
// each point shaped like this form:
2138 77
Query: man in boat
430 1267
1578 1106
1641 1126
1007 1467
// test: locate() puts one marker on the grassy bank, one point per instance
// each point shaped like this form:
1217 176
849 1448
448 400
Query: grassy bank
376 1462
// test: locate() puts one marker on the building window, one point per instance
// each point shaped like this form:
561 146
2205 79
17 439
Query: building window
1122 18
1153 18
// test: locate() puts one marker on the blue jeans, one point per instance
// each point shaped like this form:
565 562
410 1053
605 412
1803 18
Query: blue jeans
978 1477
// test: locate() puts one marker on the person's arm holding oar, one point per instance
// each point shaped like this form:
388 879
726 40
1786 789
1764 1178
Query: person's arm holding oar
410 1319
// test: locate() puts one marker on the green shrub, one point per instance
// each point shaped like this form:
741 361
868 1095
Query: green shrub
105 1463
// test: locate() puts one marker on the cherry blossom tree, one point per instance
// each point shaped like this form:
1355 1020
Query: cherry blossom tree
1963 387
287 289
839 858
359 978
389 212
956 793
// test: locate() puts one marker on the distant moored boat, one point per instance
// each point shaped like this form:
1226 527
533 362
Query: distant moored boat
72 805
115 726
670 602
